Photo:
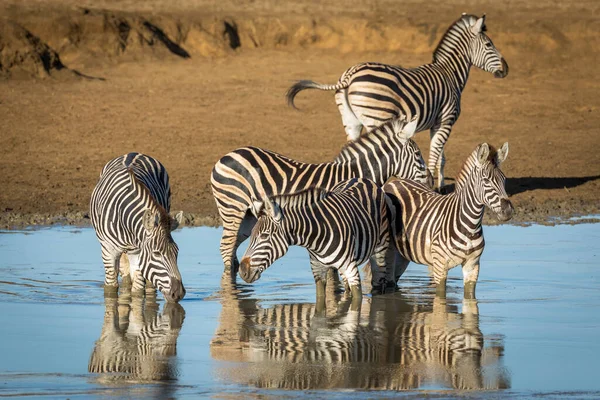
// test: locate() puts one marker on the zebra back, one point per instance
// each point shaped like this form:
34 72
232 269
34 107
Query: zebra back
251 173
128 185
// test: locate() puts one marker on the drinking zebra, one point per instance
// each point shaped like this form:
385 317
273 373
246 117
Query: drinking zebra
393 343
137 343
129 210
247 173
368 94
341 229
443 231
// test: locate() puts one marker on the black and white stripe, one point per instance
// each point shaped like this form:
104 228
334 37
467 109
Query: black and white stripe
370 93
251 173
444 231
341 229
129 210
137 343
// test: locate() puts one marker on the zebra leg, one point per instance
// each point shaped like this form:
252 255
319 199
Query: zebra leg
396 265
470 269
229 245
138 286
350 272
378 272
124 269
352 125
439 136
440 274
110 259
138 281
320 274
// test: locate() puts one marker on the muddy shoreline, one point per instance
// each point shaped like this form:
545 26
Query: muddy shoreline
84 82
528 213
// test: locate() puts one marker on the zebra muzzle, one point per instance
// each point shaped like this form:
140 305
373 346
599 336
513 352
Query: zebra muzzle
248 273
506 210
501 73
176 291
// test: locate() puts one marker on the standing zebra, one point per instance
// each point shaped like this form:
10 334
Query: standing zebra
129 210
443 231
341 229
249 173
370 93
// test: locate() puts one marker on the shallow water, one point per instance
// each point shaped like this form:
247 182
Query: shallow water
533 329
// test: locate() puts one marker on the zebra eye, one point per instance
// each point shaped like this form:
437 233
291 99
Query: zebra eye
489 45
265 235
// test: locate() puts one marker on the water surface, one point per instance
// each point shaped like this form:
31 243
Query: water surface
533 329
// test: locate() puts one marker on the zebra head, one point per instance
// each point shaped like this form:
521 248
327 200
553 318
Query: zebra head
484 54
158 253
268 241
492 181
410 163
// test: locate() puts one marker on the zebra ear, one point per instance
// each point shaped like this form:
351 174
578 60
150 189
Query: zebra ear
177 221
483 153
273 210
409 129
479 24
150 220
502 153
257 207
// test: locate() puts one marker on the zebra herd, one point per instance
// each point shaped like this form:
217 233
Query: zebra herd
375 201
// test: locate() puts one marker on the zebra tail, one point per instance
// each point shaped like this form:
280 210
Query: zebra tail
306 84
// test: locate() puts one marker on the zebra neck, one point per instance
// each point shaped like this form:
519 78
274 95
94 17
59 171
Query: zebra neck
374 164
452 55
299 225
456 67
471 208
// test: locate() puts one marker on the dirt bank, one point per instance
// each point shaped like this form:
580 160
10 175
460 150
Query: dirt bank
82 83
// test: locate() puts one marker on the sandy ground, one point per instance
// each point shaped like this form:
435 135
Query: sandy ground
84 82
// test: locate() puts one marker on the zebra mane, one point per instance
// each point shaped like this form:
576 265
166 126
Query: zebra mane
471 162
165 219
460 25
309 195
388 128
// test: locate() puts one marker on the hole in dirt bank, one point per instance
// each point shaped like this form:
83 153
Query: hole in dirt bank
231 34
164 39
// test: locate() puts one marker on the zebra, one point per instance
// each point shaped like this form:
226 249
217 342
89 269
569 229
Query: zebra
341 229
443 231
242 175
392 343
368 94
129 211
137 343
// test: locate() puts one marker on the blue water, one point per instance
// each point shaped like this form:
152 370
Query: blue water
532 331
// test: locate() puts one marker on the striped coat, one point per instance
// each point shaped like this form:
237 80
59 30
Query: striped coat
129 211
251 173
342 229
369 94
444 231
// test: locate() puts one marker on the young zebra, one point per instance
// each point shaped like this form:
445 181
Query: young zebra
129 210
443 231
246 173
370 93
341 229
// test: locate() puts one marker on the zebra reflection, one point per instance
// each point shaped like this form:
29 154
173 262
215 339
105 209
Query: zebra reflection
137 343
392 343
